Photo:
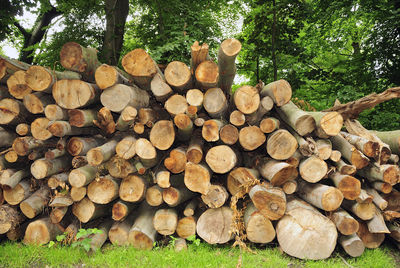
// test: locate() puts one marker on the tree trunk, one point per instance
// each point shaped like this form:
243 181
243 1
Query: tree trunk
247 99
385 173
10 218
36 102
176 161
214 225
73 94
345 168
364 211
199 53
227 53
9 178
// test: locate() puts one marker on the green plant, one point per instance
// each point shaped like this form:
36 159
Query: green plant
83 238
195 241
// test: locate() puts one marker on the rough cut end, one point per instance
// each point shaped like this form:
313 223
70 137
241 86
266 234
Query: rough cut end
105 76
281 92
247 99
313 169
259 229
9 110
176 104
27 210
83 210
76 178
74 146
139 240
177 74
95 157
305 125
33 104
39 169
214 225
132 189
237 118
207 72
162 136
197 178
350 187
37 233
38 78
229 134
194 97
72 94
139 63
231 47
210 131
39 129
332 123
281 145
129 113
251 138
116 98
214 100
71 57
182 121
170 195
193 155
102 191
221 159
154 197
76 118
57 128
268 125
331 199
20 146
391 174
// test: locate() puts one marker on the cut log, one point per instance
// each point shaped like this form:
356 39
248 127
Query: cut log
101 154
80 59
12 112
54 112
147 116
160 89
81 145
17 194
250 138
118 97
174 196
214 225
393 199
162 178
122 209
103 190
247 99
352 245
9 178
382 187
126 119
9 66
23 129
279 91
154 196
194 152
58 180
86 210
119 231
119 167
39 129
41 231
276 172
344 222
394 159
36 203
237 118
191 207
11 157
215 197
215 102
327 123
133 188
17 86
364 197
369 148
197 177
78 193
36 102
221 159
146 152
290 187
63 128
349 152
385 173
73 94
178 76
184 125
322 196
165 221
348 185
97 240
43 167
162 134
107 76
392 138
105 121
364 211
377 199
370 240
281 144
377 224
82 118
300 121
141 66
186 227
335 156
142 234
227 53
270 201
82 176
58 213
10 218
345 168
207 75
259 229
313 169
269 124
211 128
241 177
176 104
307 146
266 105
176 161
324 148
194 97
229 135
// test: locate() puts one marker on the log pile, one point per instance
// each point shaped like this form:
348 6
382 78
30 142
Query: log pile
145 154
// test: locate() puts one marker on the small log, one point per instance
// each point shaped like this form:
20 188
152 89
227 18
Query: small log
63 128
82 176
276 172
39 129
364 197
344 222
300 121
281 144
269 124
43 167
86 210
382 187
207 75
147 116
191 207
154 196
215 102
78 193
57 214
54 112
165 221
348 185
221 159
11 157
313 169
322 196
142 234
377 224
55 153
178 76
194 97
377 199
352 245
280 92
216 196
386 173
82 118
369 148
118 97
335 156
391 138
119 231
97 240
10 218
119 167
250 138
270 201
133 188
184 125
370 240
122 209
17 86
229 135
176 161
194 152
327 123
160 89
81 145
126 119
17 194
324 148
23 129
214 225
73 94
80 59
239 178
9 178
349 152
35 204
394 159
211 128
58 180
344 168
36 102
140 66
125 148
162 134
103 190
227 53
186 227
174 196
247 99
107 76
290 187
266 105
364 211
101 154
162 178
176 104
41 231
237 118
12 112
259 229
146 152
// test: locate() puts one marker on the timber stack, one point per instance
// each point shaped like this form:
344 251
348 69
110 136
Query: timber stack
142 153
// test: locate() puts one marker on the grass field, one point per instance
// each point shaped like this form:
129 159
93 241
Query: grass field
204 255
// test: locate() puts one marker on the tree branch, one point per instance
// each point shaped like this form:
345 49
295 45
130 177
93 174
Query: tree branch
24 32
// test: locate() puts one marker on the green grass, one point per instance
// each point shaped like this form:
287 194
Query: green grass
19 255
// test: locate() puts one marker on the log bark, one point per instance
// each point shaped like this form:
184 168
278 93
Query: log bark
126 119
300 121
227 53
119 167
63 128
101 154
207 75
369 148
54 112
322 196
19 193
259 229
349 152
313 169
43 168
266 105
199 53
174 196
191 207
377 199
9 178
270 201
73 94
178 76
23 129
165 221
344 222
385 173
276 172
10 66
103 190
82 176
36 203
17 86
82 145
344 168
82 118
146 152
98 239
58 180
250 138
41 231
281 144
348 185
215 103
382 187
279 91
221 159
107 76
133 188
327 123
118 97
214 225
216 196
162 134
377 224
352 245
57 214
364 211
370 240
86 210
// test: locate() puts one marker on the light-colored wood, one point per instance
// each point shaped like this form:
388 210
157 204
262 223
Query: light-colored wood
126 119
324 148
174 196
216 196
215 102
73 94
43 167
327 123
237 118
322 196
335 156
377 224
118 97
394 159
63 128
227 53
276 172
9 178
300 121
146 152
81 145
160 89
86 210
36 203
78 193
82 118
259 229
101 154
269 124
165 221
9 66
17 86
10 218
142 234
194 152
207 74
125 148
82 176
349 152
133 188
281 144
178 76
98 239
154 196
352 245
368 147
185 127
186 227
58 213
266 105
221 159
229 134
364 197
290 187
246 99
23 129
122 209
211 128
378 199
382 187
103 190
348 185
214 225
147 116
251 137
364 211
313 169
386 173
176 104
176 161
12 112
195 97
162 134
197 177
41 231
370 240
107 76
39 128
17 194
54 112
11 156
36 102
191 207
58 180
307 145
280 92
345 168
241 177
270 201
391 138
344 222
119 231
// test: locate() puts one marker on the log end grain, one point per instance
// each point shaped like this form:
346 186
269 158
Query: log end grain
250 138
221 159
38 78
214 225
247 99
139 63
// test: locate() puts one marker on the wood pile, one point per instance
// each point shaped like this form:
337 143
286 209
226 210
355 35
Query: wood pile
142 153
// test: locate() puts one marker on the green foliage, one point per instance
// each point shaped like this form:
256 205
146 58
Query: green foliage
195 241
83 239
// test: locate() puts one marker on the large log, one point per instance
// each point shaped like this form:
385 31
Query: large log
280 92
364 211
103 190
133 188
215 102
119 96
73 94
281 144
9 66
36 102
385 173
41 231
259 228
176 161
207 74
247 99
107 76
240 178
160 89
197 177
36 203
142 234
300 121
322 196
227 53
221 159
176 104
370 240
214 225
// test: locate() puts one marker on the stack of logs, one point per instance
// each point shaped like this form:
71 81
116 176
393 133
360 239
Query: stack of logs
151 151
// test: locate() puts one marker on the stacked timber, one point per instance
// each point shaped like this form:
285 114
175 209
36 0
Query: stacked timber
143 154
